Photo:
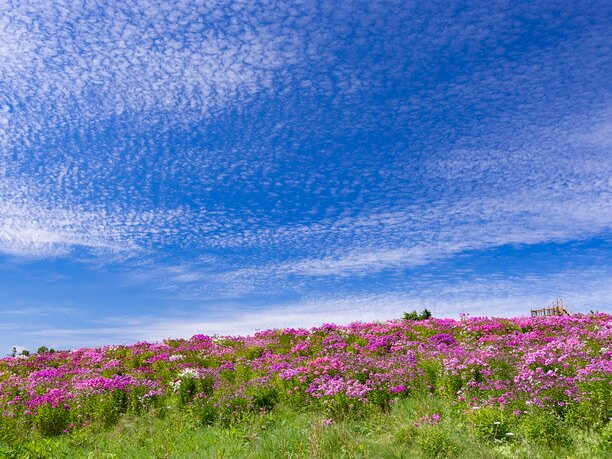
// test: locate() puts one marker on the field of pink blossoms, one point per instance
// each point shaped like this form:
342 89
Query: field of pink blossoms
561 365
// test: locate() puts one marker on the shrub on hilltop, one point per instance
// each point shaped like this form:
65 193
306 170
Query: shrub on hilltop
414 315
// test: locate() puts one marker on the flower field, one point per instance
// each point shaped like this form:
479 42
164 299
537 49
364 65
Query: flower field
508 380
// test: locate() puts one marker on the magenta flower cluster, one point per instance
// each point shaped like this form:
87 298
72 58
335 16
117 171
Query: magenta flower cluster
513 364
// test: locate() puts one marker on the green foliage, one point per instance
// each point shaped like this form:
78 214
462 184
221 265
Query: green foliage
595 409
380 399
439 442
200 429
414 315
546 428
233 410
112 406
174 343
431 371
253 352
52 420
605 440
492 424
285 341
204 412
45 350
341 407
264 398
187 390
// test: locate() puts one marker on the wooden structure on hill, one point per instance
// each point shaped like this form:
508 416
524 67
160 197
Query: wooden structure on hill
556 308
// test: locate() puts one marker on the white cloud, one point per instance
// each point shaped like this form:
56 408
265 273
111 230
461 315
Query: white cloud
445 230
135 57
41 311
167 67
79 66
492 296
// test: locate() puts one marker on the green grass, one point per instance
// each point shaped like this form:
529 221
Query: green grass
287 433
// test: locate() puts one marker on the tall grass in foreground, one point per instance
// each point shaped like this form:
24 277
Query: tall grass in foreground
436 388
409 429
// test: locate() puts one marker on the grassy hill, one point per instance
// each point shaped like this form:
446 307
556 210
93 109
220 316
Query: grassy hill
477 387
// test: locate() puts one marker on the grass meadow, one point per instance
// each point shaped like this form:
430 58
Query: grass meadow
469 388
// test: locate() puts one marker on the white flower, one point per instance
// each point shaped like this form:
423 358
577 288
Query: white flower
176 385
176 357
189 373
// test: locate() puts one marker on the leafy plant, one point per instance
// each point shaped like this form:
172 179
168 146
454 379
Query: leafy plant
414 315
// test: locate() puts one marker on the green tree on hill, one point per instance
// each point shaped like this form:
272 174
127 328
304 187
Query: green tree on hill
424 315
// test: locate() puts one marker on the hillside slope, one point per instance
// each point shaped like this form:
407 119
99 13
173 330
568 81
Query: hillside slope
436 387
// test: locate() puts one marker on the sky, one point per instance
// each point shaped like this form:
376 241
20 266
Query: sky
177 167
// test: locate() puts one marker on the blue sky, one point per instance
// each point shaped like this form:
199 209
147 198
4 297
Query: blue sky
178 167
